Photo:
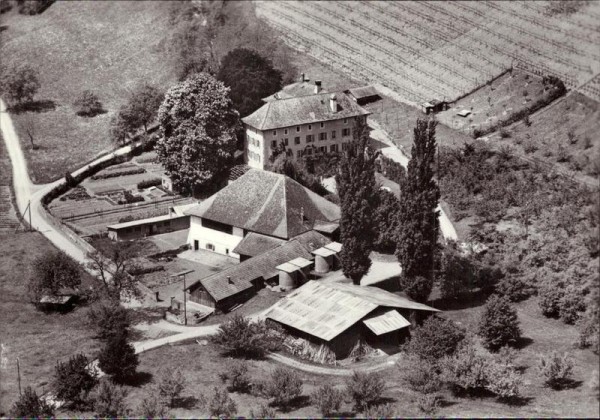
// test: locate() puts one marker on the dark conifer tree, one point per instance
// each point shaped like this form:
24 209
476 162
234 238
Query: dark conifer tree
358 198
419 225
117 358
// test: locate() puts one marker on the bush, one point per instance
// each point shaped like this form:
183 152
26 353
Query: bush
436 338
417 288
243 338
556 371
389 168
379 411
73 380
284 385
457 274
108 318
421 376
327 399
237 374
514 288
129 198
5 6
171 385
149 183
53 272
499 324
88 104
29 405
365 389
152 408
221 405
429 403
109 400
571 305
33 7
550 294
504 381
117 358
263 412
465 371
504 133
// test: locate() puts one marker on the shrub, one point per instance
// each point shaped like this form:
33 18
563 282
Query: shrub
327 399
550 294
514 288
284 385
503 380
456 275
108 318
29 405
263 412
221 405
561 154
5 6
118 174
465 371
429 403
237 374
504 133
109 400
499 324
129 198
571 305
149 183
73 380
421 376
241 337
34 7
128 218
88 104
572 137
436 338
379 411
117 358
171 385
527 121
589 326
529 146
556 371
152 408
587 142
365 389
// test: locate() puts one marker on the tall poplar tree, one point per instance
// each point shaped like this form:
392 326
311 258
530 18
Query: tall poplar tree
419 225
358 198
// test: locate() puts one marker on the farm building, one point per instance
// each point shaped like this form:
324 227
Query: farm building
235 285
148 227
434 106
364 95
336 316
305 125
260 202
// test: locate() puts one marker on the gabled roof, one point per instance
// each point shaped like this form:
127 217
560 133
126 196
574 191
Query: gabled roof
239 277
255 244
267 203
364 92
293 90
302 110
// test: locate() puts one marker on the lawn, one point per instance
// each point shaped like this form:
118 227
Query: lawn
106 46
39 340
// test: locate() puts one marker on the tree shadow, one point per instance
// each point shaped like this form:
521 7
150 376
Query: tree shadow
91 114
569 384
447 403
44 105
522 342
3 28
187 403
517 401
296 403
343 415
138 379
464 301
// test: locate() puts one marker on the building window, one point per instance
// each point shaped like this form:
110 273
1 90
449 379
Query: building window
322 136
285 131
288 152
210 247
310 138
323 149
333 133
333 148
218 226
322 125
345 120
285 142
273 144
274 132
310 126
297 129
344 146
308 151
296 140
345 132
299 154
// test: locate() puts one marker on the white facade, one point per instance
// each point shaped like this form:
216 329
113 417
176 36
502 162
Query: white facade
202 237
325 136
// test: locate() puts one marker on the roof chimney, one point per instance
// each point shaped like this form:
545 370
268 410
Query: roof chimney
317 86
229 280
333 102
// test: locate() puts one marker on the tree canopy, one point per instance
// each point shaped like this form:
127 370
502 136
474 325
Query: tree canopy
419 226
51 273
139 111
198 126
250 77
20 83
358 196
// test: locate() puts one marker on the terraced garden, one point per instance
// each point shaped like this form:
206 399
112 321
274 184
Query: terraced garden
8 219
440 50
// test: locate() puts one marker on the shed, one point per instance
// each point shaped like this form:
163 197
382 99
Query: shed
147 227
59 303
325 259
364 95
433 106
464 113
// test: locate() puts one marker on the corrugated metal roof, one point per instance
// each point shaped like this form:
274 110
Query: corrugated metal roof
320 310
334 246
288 268
386 322
324 252
301 262
143 222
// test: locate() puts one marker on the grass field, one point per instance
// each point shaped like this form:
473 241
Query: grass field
39 340
106 46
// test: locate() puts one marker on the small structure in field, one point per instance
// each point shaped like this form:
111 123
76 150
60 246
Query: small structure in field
364 95
434 106
58 303
464 113
338 316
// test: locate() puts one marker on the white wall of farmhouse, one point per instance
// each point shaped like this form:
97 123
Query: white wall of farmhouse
202 237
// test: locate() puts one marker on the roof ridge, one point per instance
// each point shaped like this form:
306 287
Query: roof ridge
266 114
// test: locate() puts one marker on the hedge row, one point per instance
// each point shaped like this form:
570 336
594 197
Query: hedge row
149 183
119 173
558 91
389 168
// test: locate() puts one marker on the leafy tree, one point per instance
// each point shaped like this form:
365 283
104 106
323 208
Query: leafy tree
117 358
236 373
457 274
284 386
296 170
250 77
121 129
386 221
244 338
198 126
589 325
436 338
429 403
221 405
29 405
379 411
108 317
88 104
514 288
365 389
556 370
51 273
20 83
421 375
419 225
109 400
152 408
74 379
358 195
171 385
499 323
264 412
327 399
143 105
